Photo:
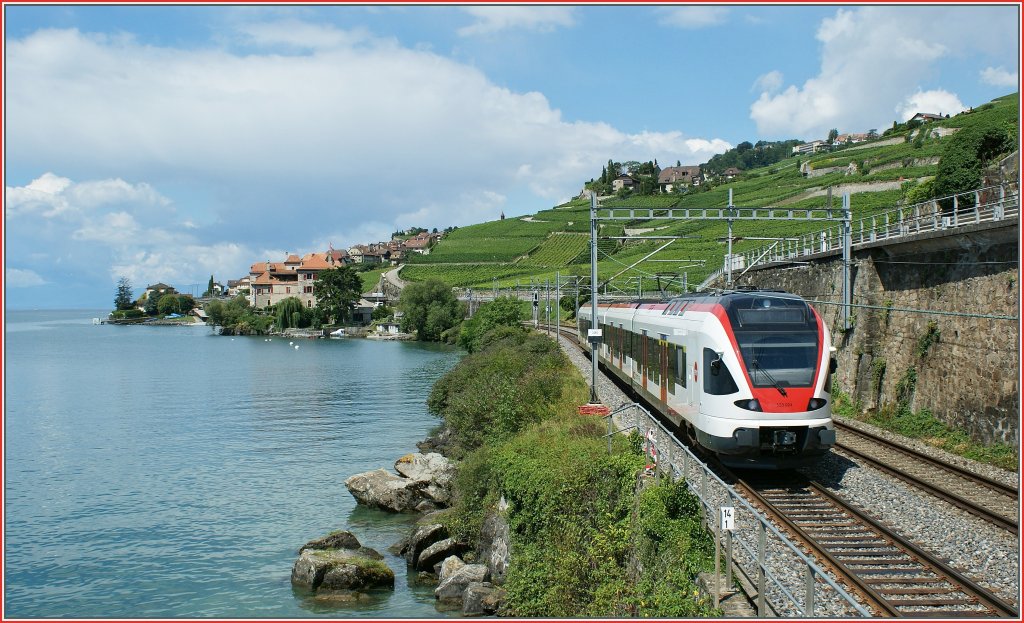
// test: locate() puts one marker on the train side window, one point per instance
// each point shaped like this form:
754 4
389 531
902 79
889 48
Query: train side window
683 370
673 368
635 349
720 383
653 365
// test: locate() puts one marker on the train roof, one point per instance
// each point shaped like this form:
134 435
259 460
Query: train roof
714 296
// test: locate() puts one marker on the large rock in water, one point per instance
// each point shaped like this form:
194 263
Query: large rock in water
432 469
338 562
421 539
386 491
424 484
437 552
482 598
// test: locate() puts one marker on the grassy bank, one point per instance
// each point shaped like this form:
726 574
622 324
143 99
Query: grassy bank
586 541
924 426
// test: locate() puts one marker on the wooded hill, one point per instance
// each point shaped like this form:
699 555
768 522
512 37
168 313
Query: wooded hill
907 165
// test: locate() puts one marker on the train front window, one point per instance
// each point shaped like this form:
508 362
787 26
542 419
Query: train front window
778 340
779 359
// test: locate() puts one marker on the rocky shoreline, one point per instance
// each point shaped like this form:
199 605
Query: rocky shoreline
337 568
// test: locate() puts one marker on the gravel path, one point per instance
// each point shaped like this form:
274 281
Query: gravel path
991 555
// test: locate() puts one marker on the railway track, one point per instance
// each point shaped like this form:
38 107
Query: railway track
990 500
892 575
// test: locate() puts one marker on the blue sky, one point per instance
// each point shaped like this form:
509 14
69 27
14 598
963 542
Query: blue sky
169 143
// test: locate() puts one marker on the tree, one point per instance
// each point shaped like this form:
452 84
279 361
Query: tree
209 288
124 297
833 134
504 311
291 313
151 304
967 152
229 313
175 304
336 291
430 308
381 313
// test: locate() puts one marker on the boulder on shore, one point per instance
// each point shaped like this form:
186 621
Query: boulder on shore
339 563
424 484
452 588
437 552
423 537
386 491
481 598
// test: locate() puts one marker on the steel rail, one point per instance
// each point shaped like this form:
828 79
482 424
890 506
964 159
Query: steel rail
960 471
875 601
984 596
961 502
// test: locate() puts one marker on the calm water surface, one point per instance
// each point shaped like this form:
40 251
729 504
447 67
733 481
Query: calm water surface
169 472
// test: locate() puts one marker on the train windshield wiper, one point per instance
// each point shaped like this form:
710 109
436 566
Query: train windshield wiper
771 379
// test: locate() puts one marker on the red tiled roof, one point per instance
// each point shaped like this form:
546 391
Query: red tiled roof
315 261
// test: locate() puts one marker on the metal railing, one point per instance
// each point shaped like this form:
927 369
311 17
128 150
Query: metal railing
985 205
796 586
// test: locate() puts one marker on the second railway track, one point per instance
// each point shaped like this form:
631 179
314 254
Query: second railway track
895 577
990 500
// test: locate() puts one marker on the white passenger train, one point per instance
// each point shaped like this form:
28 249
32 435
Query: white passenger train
744 374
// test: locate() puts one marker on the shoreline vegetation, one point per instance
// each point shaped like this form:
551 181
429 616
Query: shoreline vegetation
538 519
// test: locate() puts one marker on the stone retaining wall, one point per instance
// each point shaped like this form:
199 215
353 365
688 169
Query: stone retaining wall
965 368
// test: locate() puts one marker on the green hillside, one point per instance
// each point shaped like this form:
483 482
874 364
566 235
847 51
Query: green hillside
894 169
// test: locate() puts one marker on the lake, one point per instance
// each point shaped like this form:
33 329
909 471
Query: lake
169 472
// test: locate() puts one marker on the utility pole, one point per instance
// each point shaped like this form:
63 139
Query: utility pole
558 306
547 306
847 295
596 340
728 255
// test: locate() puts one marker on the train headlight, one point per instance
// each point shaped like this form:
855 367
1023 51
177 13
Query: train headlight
816 403
750 404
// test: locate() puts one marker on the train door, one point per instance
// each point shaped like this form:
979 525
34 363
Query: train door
663 346
616 344
693 380
643 360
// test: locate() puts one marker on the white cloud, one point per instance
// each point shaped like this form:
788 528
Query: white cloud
769 82
693 17
297 34
355 136
491 19
22 278
874 59
388 125
999 77
107 228
936 102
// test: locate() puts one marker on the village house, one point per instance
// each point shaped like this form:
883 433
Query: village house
731 173
272 282
238 286
923 117
420 243
623 181
159 289
364 254
847 139
389 328
671 178
809 148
